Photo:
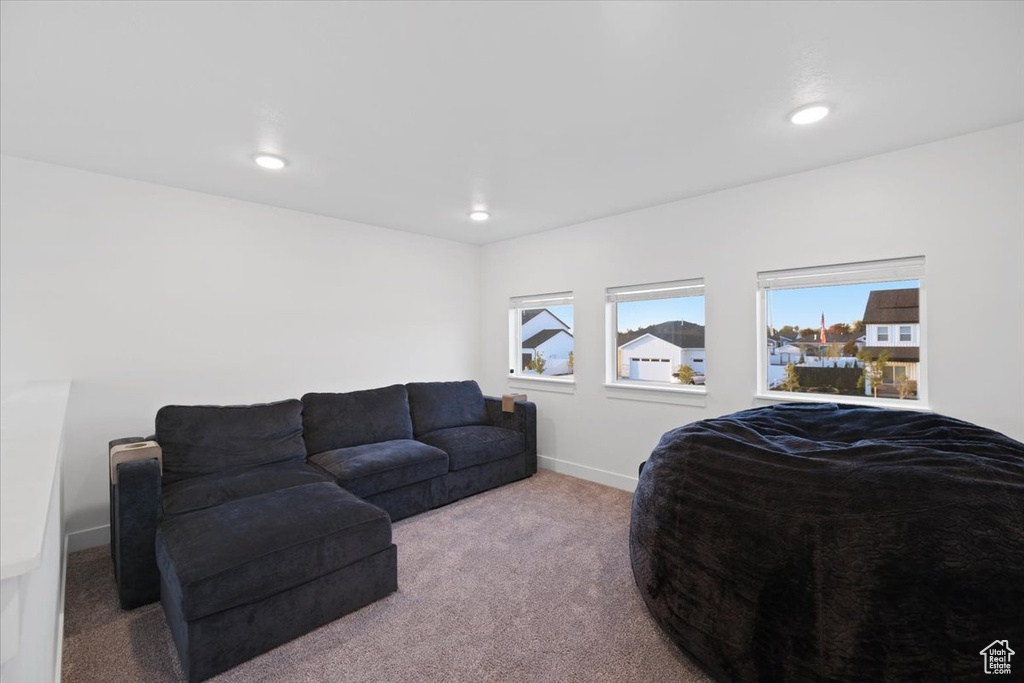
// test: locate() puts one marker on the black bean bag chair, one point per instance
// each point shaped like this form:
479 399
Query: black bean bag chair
804 542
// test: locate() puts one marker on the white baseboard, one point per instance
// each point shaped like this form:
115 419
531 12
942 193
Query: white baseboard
619 481
88 538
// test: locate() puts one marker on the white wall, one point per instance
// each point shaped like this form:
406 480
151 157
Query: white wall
147 295
959 202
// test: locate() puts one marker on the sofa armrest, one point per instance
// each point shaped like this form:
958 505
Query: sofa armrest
135 511
523 419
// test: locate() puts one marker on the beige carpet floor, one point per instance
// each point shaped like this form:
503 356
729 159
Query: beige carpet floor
528 582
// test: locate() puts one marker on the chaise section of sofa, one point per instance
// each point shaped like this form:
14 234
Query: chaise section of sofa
243 577
485 446
212 455
364 439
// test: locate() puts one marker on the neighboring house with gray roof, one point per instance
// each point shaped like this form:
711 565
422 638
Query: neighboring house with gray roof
546 334
892 320
655 353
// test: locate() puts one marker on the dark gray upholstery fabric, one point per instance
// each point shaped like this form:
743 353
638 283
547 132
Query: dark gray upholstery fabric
439 405
217 642
374 468
213 489
250 549
332 421
522 419
470 446
472 480
110 486
412 499
198 440
135 509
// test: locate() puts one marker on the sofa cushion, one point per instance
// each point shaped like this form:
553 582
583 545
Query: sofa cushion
439 405
333 421
475 445
198 440
249 549
214 489
377 467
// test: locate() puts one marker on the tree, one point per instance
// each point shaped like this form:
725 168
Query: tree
906 387
874 369
789 332
572 363
838 329
833 350
850 348
809 333
857 328
537 364
685 374
792 382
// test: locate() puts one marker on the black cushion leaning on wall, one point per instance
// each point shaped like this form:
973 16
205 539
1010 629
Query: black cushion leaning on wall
332 421
199 440
439 405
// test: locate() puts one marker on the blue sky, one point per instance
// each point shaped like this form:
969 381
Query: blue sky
802 307
633 315
840 303
563 313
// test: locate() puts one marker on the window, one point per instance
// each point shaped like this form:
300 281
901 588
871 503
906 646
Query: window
656 335
893 374
830 330
541 336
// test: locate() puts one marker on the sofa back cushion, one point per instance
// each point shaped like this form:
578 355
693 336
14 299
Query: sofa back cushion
440 405
333 421
198 440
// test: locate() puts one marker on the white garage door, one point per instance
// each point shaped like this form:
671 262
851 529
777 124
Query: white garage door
650 369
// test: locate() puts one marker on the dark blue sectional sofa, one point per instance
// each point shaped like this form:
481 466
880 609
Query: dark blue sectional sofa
270 520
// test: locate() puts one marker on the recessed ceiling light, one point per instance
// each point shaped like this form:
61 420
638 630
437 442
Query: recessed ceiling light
479 215
270 161
809 114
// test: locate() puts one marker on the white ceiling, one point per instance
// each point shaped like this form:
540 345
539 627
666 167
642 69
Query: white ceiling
404 115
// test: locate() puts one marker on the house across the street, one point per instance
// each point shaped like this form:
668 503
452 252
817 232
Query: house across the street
657 355
892 322
547 335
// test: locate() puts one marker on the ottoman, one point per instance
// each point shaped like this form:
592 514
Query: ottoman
241 578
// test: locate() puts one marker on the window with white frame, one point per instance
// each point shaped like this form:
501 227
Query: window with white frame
541 336
853 330
656 335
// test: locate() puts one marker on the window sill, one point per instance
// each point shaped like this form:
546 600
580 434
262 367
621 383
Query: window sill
552 384
689 396
788 397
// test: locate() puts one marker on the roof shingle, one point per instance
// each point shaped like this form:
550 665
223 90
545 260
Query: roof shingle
892 306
